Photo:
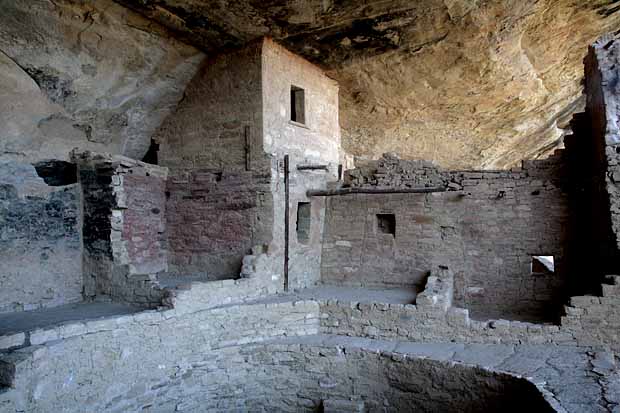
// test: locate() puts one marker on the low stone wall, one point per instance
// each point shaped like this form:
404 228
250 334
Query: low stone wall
596 320
149 360
40 241
202 365
193 296
192 359
589 320
261 276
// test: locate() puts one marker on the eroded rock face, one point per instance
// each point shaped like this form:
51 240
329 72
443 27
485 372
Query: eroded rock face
466 83
92 75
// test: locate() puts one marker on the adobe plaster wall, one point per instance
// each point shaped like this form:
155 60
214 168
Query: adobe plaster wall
317 142
218 197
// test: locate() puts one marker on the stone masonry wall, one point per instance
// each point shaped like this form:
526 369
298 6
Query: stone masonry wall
603 114
152 360
219 203
485 226
40 241
315 142
207 361
206 364
587 320
311 378
124 227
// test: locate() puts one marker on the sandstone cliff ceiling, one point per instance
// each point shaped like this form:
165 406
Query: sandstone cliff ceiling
466 83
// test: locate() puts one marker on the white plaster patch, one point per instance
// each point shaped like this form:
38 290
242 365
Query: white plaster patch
126 353
68 381
312 154
475 290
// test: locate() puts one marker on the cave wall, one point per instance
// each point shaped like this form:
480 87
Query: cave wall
40 241
67 82
468 84
91 75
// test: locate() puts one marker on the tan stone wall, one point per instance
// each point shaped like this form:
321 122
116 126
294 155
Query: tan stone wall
486 227
317 142
219 205
124 227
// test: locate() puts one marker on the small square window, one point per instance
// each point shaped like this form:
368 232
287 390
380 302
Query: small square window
386 224
298 105
542 265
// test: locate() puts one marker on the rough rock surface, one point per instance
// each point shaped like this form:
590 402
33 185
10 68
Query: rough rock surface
464 83
93 75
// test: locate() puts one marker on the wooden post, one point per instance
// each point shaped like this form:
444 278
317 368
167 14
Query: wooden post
248 147
286 219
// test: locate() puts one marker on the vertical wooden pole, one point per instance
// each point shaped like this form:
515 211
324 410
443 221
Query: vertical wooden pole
248 148
286 219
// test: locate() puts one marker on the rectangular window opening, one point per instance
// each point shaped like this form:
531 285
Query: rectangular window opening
298 109
542 265
304 218
386 224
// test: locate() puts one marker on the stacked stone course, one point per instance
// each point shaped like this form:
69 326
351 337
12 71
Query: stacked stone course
124 227
484 225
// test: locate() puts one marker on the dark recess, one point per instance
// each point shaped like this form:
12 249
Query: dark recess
298 109
56 173
386 224
151 154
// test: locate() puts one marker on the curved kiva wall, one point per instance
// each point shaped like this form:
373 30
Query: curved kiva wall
164 362
294 377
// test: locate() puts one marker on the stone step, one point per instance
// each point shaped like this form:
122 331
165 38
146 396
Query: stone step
611 288
9 367
342 406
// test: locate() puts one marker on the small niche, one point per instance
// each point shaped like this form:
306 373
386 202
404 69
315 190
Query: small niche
57 173
151 154
304 218
386 224
542 265
298 106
